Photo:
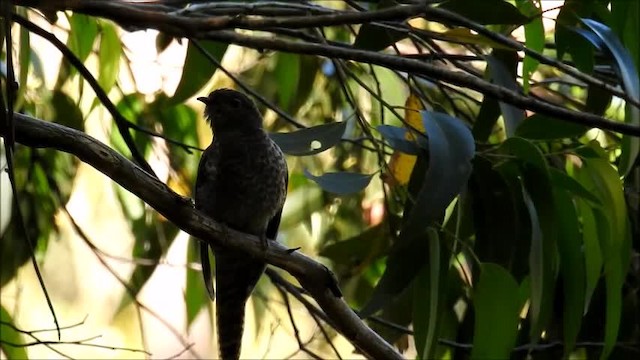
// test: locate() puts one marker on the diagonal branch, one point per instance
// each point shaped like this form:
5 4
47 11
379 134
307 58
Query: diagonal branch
313 276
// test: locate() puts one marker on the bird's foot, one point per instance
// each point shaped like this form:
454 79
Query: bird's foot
264 244
292 250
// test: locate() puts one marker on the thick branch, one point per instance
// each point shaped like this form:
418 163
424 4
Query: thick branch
201 28
313 276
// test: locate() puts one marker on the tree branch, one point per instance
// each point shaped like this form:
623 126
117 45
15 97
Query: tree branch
313 276
212 28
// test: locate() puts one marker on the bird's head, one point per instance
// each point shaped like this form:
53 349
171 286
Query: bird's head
230 110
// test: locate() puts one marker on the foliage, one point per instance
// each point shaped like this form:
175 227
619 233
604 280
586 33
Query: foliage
477 225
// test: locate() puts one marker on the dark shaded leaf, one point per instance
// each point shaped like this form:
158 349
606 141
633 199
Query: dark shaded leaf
361 249
340 183
504 74
630 83
376 37
451 149
486 11
310 141
538 198
542 127
397 139
428 297
197 70
65 111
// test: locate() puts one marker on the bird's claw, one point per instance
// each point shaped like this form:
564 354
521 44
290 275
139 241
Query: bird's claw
292 250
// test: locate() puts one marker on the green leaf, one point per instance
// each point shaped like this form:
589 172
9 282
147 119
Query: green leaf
542 127
631 85
197 69
287 73
310 141
109 56
572 267
340 183
615 243
82 35
8 335
537 193
560 179
534 39
591 232
486 11
497 308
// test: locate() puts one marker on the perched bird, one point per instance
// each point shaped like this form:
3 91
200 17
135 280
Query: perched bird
241 183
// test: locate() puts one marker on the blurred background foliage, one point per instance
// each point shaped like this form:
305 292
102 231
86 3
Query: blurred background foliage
457 225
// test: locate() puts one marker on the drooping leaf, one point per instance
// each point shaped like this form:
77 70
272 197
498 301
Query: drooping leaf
428 297
486 12
287 73
497 307
109 56
65 111
542 127
374 37
451 149
310 141
397 139
591 232
538 200
534 39
505 76
340 183
361 249
630 83
82 35
498 223
197 70
572 267
614 238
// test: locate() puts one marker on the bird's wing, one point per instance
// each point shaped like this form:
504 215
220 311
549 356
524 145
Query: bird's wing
207 173
274 223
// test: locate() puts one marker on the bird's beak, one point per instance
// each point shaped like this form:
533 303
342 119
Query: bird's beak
203 99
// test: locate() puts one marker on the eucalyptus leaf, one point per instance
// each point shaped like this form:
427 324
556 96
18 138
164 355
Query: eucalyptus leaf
310 141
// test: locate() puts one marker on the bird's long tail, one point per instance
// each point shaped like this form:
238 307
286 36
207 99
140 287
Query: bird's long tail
236 276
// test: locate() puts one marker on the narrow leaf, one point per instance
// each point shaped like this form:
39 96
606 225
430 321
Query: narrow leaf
197 69
310 141
496 304
340 183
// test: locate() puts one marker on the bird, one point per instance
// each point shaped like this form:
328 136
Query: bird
241 183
